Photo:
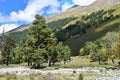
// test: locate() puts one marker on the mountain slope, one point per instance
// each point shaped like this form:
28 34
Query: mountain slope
92 34
74 6
20 28
78 11
116 12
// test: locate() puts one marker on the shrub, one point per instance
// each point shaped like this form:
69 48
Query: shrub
74 72
80 77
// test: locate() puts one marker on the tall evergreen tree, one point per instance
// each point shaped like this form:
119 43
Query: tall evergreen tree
42 40
7 49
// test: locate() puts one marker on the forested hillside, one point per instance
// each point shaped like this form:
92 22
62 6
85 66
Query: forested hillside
80 43
92 34
55 25
75 31
79 28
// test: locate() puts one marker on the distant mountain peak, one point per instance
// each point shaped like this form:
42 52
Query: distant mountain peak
78 10
74 6
19 28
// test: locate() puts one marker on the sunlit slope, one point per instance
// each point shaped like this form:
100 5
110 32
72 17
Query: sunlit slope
116 12
92 34
84 10
117 7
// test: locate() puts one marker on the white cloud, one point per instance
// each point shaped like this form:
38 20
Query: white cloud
83 2
37 6
53 10
66 6
27 15
7 27
33 7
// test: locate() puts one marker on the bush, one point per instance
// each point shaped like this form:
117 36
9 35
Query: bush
74 72
82 53
80 77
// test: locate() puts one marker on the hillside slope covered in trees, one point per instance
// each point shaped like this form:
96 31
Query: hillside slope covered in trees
74 31
92 34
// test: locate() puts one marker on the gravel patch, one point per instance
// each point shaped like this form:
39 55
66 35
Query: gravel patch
23 70
106 74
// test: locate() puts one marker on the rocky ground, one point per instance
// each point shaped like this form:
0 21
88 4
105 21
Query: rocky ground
93 72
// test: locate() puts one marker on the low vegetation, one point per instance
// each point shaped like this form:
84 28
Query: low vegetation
36 77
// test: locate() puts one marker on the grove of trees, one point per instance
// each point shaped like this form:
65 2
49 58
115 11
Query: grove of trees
39 46
103 49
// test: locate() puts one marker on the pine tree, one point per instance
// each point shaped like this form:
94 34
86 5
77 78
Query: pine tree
7 49
41 39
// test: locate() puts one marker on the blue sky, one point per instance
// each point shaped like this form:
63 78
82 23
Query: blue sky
17 12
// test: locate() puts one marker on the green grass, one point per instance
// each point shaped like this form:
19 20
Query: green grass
38 77
14 65
117 12
92 34
108 25
84 61
76 62
71 23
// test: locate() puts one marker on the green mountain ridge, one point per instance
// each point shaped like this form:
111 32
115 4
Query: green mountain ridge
79 11
96 31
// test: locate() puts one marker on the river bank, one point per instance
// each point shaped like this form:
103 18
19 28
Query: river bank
89 73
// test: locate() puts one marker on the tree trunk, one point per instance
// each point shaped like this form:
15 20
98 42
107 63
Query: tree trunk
28 62
49 62
19 59
113 61
53 63
99 61
7 62
64 61
0 61
31 63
